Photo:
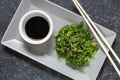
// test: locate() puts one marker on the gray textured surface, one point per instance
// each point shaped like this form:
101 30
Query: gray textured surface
14 66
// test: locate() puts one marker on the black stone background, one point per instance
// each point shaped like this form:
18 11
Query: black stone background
14 66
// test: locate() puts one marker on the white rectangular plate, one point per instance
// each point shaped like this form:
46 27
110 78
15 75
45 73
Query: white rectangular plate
45 53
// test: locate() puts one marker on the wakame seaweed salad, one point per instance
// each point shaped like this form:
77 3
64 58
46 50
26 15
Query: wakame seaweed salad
75 44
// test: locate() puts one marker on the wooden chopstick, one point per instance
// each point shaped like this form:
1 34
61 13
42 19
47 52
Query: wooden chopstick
101 40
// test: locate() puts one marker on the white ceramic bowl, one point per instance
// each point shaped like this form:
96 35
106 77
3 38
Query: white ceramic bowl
29 15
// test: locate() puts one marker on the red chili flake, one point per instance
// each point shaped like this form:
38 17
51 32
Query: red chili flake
66 51
65 39
73 34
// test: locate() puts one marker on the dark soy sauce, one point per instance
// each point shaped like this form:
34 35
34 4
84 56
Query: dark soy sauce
37 27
